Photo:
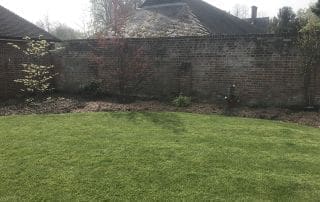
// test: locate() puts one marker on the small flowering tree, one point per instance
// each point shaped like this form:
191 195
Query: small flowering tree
36 77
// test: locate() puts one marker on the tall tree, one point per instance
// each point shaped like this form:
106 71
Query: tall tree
129 69
316 9
309 45
240 11
308 21
110 15
59 30
45 23
65 32
285 22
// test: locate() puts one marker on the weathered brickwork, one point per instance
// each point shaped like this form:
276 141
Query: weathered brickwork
317 90
10 69
265 68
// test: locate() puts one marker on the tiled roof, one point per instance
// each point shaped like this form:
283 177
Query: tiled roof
157 2
169 21
13 26
213 19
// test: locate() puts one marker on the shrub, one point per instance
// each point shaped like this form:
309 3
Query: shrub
182 101
232 99
92 89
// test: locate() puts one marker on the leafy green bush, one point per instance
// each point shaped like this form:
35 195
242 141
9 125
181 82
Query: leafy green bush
92 89
182 101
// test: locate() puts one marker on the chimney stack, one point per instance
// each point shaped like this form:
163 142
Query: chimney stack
254 12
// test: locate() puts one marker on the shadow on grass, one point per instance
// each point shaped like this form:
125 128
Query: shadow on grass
283 192
169 121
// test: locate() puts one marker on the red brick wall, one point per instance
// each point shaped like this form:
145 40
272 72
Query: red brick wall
317 87
265 68
10 69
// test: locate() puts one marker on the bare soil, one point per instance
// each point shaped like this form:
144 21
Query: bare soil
59 105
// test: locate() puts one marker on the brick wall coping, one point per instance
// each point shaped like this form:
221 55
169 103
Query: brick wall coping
216 36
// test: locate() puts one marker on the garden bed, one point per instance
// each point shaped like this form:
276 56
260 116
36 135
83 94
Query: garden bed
58 105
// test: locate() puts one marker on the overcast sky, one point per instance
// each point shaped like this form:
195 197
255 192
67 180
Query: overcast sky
75 12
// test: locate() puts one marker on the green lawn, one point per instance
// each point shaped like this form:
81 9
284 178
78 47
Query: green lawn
156 156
